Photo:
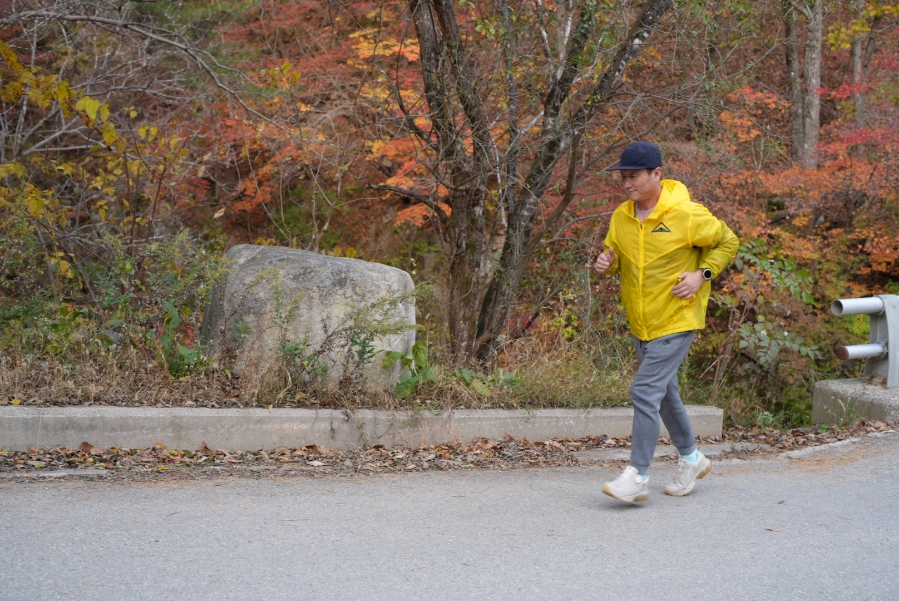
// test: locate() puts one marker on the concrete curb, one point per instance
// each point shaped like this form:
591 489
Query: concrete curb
833 400
255 429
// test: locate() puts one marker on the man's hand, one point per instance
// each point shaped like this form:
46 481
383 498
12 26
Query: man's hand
688 284
604 260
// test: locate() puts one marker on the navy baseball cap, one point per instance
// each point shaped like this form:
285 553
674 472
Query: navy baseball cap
639 155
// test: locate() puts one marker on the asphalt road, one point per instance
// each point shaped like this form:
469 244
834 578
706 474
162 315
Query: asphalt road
824 525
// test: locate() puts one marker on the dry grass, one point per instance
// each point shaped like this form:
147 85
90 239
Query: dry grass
586 371
560 373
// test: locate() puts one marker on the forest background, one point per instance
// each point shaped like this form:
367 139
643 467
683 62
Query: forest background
462 141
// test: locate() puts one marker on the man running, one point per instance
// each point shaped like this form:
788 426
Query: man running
666 249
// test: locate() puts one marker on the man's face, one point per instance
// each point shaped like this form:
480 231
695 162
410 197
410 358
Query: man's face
641 185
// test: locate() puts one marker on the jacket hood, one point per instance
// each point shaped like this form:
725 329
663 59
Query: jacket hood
673 192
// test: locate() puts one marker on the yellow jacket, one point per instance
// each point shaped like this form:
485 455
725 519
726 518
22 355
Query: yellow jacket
678 236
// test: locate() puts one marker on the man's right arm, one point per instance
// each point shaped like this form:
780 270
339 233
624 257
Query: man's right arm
606 261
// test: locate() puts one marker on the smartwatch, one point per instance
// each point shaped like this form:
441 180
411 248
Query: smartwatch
706 273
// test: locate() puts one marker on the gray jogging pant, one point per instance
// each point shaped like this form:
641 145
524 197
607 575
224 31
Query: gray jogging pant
654 393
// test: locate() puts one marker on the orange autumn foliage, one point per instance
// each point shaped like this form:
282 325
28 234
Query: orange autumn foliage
419 213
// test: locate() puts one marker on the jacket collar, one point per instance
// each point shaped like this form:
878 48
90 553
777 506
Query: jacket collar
673 193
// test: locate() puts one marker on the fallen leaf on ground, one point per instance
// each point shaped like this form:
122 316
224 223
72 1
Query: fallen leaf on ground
89 449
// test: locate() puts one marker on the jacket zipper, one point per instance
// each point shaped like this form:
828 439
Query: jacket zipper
640 279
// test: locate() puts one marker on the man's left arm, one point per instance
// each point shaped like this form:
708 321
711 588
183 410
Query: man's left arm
719 246
718 242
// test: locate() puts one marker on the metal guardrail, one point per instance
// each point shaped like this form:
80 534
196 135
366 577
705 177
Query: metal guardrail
882 351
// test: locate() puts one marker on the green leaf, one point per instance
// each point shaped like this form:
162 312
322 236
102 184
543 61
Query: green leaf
406 385
420 355
480 387
172 319
392 357
466 374
429 374
504 378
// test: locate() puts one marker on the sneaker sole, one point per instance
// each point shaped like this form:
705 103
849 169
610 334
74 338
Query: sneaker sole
641 498
705 472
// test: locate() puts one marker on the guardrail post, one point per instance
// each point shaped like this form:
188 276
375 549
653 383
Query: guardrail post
882 351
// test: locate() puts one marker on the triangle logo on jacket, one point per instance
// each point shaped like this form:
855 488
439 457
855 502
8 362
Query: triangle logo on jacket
661 228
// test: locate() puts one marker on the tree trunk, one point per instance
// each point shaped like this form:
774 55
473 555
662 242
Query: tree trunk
560 137
466 156
811 72
863 47
448 83
859 44
794 77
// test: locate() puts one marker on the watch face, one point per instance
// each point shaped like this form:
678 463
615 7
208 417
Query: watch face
707 274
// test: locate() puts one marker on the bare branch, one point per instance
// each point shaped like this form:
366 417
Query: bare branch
571 222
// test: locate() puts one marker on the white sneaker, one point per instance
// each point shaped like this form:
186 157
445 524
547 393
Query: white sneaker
687 474
628 487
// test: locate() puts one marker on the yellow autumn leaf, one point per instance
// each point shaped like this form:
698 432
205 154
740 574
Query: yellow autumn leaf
35 205
350 252
27 77
64 268
153 131
142 131
16 401
10 57
104 111
7 169
11 92
109 133
63 96
88 106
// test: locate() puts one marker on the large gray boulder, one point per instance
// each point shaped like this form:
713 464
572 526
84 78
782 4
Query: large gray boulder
302 316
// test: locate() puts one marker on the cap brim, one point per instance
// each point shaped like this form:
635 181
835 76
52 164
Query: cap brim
620 168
